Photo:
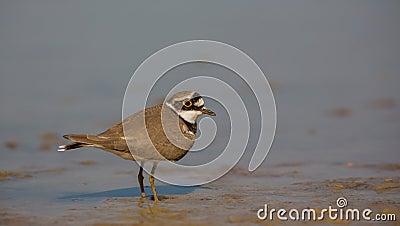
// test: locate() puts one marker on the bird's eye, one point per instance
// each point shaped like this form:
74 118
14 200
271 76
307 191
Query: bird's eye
187 103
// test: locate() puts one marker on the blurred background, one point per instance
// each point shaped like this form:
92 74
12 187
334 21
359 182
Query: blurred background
64 66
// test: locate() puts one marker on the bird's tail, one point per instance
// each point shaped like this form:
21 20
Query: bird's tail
80 140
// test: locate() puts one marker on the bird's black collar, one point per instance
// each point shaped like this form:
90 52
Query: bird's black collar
192 126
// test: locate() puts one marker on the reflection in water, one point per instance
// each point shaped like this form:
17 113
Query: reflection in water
135 192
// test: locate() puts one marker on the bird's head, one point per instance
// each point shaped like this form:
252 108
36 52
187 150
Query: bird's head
189 105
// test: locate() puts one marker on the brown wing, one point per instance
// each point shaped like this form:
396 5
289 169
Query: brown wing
149 142
151 138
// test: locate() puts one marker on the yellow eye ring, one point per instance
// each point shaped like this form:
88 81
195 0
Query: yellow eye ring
187 103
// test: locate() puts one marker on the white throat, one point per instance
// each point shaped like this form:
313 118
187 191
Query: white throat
190 116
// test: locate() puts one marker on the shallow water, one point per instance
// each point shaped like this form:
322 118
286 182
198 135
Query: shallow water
64 68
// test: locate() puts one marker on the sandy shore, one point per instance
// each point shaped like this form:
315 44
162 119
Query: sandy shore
235 198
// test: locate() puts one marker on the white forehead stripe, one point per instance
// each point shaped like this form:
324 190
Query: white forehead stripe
199 102
184 97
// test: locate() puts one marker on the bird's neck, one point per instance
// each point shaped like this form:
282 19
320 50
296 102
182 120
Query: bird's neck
191 126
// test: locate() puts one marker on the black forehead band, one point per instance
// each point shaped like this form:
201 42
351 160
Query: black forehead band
193 107
195 99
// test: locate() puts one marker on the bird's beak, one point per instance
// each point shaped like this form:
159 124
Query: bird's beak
207 112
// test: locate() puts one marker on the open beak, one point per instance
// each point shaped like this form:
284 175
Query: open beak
207 112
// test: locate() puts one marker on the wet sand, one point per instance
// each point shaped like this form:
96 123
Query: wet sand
233 199
340 151
334 69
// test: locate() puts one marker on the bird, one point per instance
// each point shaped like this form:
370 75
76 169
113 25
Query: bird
164 132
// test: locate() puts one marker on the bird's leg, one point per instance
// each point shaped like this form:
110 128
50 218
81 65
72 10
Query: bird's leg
140 178
151 179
